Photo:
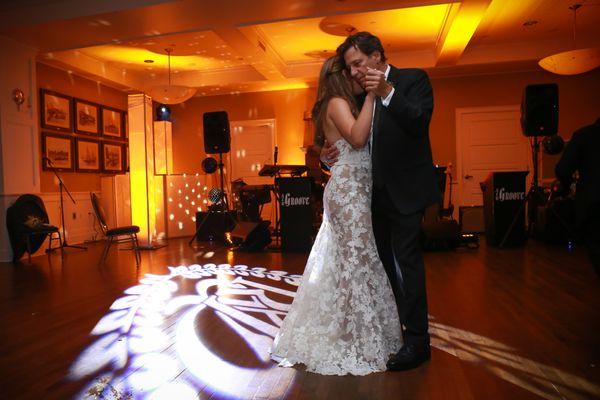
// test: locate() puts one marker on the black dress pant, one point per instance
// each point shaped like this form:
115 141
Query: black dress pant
397 238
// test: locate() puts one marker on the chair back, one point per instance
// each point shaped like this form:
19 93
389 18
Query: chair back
27 213
99 211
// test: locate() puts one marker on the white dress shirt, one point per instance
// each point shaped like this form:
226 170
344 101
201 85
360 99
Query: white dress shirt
385 102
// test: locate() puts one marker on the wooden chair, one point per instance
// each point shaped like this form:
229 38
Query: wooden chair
115 235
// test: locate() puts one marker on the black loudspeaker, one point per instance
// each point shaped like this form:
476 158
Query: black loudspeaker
214 225
251 236
217 137
539 110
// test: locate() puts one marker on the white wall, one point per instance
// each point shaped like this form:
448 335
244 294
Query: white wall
19 144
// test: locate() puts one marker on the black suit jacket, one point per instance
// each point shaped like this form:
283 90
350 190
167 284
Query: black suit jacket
401 150
581 154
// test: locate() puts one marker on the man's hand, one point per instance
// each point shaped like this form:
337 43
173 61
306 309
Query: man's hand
375 82
329 154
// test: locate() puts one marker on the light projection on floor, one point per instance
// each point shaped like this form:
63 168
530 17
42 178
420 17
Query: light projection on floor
208 328
151 344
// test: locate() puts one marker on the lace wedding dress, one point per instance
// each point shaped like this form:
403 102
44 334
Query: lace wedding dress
343 319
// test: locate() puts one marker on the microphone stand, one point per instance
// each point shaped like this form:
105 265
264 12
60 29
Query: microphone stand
62 186
277 230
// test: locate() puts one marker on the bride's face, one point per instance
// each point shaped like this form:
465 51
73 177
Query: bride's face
356 88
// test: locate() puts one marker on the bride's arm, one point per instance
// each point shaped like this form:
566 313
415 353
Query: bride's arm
355 131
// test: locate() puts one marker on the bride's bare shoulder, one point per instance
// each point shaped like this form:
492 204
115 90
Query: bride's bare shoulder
338 105
338 102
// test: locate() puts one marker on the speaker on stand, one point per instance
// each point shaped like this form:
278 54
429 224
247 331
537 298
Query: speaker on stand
217 140
539 117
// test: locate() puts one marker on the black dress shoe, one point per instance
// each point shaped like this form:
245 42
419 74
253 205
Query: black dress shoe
409 357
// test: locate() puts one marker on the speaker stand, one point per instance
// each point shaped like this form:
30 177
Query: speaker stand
223 202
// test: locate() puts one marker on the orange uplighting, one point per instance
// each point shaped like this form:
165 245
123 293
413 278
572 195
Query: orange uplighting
463 20
163 147
141 167
134 57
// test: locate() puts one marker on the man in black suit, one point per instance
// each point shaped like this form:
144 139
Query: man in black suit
404 181
581 155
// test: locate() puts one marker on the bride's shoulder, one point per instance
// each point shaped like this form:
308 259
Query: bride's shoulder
338 100
338 103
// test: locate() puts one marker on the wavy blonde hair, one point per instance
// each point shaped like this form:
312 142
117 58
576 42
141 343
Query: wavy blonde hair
333 82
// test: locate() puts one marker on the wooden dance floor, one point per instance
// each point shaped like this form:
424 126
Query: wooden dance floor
197 323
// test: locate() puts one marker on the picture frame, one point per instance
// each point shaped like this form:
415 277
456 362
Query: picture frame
87 117
58 149
126 126
113 123
87 155
113 158
56 111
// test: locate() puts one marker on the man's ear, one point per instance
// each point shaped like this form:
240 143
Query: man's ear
376 56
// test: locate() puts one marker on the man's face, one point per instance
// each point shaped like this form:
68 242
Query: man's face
357 63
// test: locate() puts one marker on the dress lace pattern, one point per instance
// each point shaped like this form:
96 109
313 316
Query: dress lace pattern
343 319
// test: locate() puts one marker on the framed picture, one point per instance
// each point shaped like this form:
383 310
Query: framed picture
127 158
87 155
56 111
113 123
87 117
112 158
126 126
57 152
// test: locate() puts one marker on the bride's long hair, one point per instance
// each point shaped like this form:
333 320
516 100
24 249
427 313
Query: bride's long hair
333 82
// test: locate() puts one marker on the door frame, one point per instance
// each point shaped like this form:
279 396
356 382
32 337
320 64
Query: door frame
459 113
255 123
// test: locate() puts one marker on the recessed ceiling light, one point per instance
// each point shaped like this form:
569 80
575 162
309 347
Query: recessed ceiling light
530 22
148 61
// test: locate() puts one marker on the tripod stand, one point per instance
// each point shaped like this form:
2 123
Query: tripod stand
221 205
61 187
534 198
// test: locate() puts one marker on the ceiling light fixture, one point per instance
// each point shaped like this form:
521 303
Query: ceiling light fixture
170 94
572 62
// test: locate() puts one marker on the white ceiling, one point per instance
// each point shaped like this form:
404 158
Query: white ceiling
231 46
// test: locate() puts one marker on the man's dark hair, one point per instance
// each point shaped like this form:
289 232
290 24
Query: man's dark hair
365 42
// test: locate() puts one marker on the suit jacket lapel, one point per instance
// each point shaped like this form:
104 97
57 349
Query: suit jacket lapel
377 118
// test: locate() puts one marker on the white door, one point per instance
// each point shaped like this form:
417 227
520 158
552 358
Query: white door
252 146
488 139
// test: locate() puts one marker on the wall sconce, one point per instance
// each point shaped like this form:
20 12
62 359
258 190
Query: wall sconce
18 97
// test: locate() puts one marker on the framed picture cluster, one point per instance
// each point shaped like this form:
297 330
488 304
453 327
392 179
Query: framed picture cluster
79 135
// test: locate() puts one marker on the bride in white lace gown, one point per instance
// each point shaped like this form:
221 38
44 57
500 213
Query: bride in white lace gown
343 319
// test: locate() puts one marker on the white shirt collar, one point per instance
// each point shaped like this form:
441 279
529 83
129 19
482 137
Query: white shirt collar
387 71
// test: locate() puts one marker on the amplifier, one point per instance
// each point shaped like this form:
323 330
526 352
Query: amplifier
471 219
214 225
